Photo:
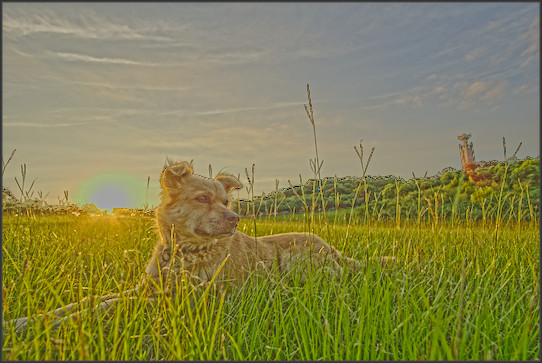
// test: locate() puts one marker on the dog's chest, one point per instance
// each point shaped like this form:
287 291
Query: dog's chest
201 263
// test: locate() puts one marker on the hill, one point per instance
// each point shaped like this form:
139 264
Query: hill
448 193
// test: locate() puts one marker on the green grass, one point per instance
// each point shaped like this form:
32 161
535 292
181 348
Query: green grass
458 291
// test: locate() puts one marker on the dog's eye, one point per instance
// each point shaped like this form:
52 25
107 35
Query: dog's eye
203 199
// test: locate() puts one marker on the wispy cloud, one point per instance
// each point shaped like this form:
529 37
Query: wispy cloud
43 125
74 57
532 37
486 91
88 26
494 25
153 87
475 53
461 93
527 88
277 105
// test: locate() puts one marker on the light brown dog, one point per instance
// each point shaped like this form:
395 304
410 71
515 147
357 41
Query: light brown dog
194 220
198 238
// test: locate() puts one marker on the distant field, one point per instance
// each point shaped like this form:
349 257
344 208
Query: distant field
460 290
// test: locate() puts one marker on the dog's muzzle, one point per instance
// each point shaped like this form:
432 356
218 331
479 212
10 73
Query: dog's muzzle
232 217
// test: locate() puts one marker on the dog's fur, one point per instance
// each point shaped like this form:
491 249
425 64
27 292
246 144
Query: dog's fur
198 238
194 218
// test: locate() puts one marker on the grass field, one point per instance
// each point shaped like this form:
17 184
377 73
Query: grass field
458 291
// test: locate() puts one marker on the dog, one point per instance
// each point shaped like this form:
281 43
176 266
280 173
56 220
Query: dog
195 221
198 238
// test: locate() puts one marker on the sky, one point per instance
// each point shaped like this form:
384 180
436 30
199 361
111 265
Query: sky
96 96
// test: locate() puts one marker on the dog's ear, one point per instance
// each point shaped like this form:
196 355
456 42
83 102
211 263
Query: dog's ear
173 174
229 182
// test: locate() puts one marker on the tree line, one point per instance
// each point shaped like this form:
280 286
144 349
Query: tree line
501 190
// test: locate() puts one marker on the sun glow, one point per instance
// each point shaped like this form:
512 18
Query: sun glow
110 197
112 190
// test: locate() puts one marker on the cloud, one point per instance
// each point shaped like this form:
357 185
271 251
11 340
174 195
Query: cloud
242 57
109 84
494 25
496 91
89 26
487 91
277 105
462 94
475 53
43 125
525 89
532 37
272 141
75 57
412 98
477 89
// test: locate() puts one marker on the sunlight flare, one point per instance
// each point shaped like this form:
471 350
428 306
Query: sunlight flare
112 190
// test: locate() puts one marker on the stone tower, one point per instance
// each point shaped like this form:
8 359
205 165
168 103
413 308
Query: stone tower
467 153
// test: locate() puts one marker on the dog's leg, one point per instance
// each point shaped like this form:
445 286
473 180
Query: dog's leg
105 308
352 264
57 315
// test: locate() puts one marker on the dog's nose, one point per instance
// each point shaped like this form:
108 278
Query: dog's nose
232 217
